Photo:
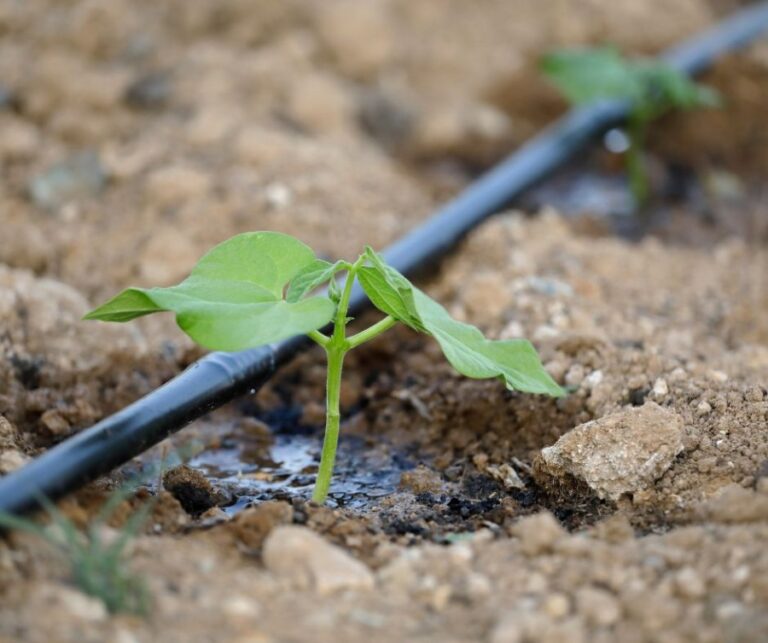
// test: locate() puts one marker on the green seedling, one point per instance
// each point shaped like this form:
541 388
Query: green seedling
97 565
257 288
651 86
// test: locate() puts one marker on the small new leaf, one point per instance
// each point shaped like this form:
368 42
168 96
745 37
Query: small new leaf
310 277
515 362
233 298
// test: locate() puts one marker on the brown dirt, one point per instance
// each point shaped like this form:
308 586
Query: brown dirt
343 122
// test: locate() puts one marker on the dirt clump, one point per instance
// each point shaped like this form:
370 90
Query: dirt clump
192 489
252 526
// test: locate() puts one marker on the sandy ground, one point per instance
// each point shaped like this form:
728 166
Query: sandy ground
133 136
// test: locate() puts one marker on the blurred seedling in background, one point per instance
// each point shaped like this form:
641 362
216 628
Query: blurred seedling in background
652 88
256 289
96 555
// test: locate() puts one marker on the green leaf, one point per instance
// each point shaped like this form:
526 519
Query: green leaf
515 362
585 75
310 277
673 88
233 298
389 291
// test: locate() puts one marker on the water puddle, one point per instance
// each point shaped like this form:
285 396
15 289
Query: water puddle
284 467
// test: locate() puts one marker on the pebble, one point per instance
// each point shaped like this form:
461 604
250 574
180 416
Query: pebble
689 583
619 453
556 605
150 91
660 388
538 533
703 408
240 607
79 176
80 606
575 375
11 460
308 560
599 607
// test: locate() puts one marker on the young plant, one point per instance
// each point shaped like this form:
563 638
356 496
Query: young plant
256 289
650 86
97 567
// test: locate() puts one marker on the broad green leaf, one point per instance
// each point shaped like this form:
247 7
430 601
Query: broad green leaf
585 75
233 298
515 362
310 277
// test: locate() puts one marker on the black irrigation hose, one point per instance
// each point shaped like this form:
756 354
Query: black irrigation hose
220 377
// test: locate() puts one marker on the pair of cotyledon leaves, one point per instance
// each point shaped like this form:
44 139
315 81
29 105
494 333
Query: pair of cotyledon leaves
253 290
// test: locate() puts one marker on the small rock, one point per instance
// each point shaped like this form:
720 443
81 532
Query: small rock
556 605
509 629
506 475
80 606
617 454
9 436
594 379
575 375
599 607
307 559
12 459
79 176
538 533
55 422
660 388
689 583
703 408
240 606
20 140
150 91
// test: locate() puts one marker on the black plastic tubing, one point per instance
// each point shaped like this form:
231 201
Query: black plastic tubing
220 377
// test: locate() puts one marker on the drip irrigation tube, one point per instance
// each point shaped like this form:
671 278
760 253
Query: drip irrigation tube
220 377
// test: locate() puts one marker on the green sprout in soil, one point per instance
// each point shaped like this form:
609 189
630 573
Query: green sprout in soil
256 289
651 86
97 564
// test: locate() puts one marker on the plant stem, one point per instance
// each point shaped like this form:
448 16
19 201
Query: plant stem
638 177
372 331
332 420
336 347
319 338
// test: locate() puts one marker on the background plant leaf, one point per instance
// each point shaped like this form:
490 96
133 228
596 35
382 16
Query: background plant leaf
584 75
310 277
515 362
233 298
